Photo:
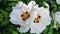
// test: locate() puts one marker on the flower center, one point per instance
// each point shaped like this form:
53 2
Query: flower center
36 20
25 16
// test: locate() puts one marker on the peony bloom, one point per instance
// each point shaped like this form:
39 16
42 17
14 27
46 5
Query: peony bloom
57 18
22 14
58 1
40 21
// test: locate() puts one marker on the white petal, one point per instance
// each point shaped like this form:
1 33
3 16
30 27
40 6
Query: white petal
37 33
19 4
37 27
14 18
43 11
34 10
23 29
46 21
58 1
14 21
32 30
22 6
31 5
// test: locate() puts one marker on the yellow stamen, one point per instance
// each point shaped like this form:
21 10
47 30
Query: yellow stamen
25 16
37 19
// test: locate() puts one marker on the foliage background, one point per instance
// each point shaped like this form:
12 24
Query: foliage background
8 28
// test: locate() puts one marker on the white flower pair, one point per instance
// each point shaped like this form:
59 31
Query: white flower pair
30 17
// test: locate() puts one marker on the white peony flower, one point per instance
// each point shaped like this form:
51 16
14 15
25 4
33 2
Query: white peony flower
57 18
40 21
22 14
58 1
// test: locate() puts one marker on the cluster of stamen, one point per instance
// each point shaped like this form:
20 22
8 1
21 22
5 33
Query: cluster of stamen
25 16
37 19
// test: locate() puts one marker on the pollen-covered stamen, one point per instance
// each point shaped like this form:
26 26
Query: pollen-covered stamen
25 15
37 19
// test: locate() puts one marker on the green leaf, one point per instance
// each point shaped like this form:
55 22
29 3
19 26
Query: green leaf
39 2
5 22
51 27
0 32
5 32
0 0
14 32
5 14
55 8
46 30
1 17
45 5
8 9
12 4
14 0
46 0
58 8
11 28
50 32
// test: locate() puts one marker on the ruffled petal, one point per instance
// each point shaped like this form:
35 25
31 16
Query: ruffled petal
23 29
31 5
37 27
45 17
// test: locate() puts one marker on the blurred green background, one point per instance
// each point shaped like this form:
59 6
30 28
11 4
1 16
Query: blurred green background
8 28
